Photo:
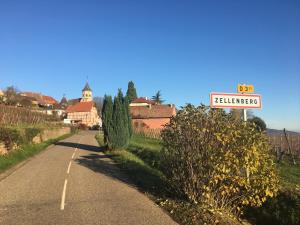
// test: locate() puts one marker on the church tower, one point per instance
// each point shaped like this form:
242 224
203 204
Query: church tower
87 95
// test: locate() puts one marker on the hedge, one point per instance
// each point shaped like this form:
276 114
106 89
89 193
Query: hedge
13 137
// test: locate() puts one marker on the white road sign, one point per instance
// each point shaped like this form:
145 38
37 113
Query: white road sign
236 101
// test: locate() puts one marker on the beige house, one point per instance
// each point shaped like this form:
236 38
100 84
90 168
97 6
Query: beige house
84 112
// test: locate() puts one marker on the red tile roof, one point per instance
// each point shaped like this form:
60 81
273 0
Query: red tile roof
143 100
80 107
49 100
155 111
32 95
42 99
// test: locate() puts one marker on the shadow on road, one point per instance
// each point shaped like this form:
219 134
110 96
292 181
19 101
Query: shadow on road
92 148
96 162
139 176
102 164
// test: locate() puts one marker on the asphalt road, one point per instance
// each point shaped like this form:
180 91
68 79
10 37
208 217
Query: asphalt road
74 183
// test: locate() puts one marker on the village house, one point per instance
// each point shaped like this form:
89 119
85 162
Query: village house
45 104
146 114
39 99
84 111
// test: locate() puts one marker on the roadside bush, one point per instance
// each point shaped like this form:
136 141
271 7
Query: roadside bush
10 137
215 160
83 126
74 129
30 133
282 210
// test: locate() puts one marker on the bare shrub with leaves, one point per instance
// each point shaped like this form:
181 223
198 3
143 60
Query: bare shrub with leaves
218 161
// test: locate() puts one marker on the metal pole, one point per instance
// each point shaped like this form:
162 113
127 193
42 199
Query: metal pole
245 115
247 169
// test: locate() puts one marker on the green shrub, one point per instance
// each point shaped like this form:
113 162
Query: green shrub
282 210
10 137
223 163
14 137
29 134
74 129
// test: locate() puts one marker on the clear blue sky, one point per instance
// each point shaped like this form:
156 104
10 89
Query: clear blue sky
186 49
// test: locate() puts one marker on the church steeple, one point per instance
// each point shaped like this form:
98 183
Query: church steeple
87 95
87 87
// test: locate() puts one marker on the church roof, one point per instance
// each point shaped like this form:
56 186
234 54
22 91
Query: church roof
81 107
64 100
87 87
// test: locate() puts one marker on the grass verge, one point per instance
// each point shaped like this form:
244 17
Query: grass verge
285 207
141 162
26 151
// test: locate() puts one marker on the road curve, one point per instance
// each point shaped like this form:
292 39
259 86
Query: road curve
74 183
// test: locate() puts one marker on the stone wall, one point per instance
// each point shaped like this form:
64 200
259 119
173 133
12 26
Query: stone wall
44 136
51 134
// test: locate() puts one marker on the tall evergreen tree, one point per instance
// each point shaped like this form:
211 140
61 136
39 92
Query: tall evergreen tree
107 113
128 117
131 92
120 126
157 98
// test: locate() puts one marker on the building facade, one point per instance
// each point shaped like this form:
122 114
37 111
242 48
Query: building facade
84 111
146 114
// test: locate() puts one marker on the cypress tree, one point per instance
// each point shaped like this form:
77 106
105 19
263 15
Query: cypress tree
131 92
107 113
128 117
120 126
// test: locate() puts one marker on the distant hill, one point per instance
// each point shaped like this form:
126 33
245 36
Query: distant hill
278 132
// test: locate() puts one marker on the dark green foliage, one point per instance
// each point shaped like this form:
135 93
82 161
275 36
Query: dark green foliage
13 137
120 124
107 112
131 92
128 116
10 137
282 210
260 124
30 133
117 127
157 98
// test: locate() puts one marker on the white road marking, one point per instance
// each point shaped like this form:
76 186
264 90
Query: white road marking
63 197
69 167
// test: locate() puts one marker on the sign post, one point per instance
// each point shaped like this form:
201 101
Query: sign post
243 100
245 115
244 88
